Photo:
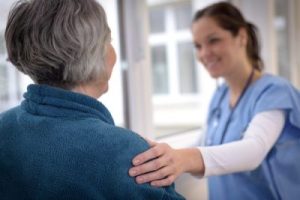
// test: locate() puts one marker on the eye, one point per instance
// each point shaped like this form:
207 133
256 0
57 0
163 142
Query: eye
213 40
197 46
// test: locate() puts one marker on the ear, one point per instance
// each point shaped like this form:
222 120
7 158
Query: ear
243 37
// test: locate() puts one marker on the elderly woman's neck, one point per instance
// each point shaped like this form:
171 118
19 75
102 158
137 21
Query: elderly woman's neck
92 90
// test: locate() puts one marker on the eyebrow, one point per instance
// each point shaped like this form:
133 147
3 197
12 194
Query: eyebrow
212 35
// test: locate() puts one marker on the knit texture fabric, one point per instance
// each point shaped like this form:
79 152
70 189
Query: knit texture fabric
63 145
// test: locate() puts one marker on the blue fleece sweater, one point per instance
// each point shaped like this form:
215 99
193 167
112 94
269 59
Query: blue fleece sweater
63 145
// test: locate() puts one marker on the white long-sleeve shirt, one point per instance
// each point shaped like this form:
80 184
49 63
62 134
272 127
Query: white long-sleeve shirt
248 153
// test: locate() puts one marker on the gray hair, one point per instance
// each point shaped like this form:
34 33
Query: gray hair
58 42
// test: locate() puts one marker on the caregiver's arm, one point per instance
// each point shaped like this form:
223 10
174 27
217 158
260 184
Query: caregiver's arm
161 164
248 153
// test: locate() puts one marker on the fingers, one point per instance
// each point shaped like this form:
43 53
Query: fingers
164 182
156 175
150 154
148 167
145 168
156 166
161 178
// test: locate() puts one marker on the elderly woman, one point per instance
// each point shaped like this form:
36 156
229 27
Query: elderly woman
61 143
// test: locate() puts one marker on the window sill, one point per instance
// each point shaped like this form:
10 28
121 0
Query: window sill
187 139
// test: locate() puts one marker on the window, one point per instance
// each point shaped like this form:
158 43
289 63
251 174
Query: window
3 71
160 70
10 91
187 68
156 14
10 86
282 27
170 42
183 16
175 74
2 44
3 82
286 26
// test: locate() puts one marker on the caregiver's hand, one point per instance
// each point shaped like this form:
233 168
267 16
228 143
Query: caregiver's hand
161 164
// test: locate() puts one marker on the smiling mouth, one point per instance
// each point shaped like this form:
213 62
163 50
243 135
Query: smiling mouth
211 64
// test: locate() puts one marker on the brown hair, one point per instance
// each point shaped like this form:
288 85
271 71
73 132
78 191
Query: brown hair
230 18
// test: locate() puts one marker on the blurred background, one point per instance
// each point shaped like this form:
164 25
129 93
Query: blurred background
158 89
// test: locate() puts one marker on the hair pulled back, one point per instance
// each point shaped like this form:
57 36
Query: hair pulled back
231 19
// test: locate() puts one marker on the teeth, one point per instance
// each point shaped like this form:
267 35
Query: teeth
210 64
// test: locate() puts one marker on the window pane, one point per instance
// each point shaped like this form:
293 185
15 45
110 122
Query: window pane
2 44
174 72
159 70
281 25
187 68
183 15
3 83
157 19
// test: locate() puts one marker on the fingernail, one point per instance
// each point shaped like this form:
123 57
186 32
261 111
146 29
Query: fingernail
132 172
136 162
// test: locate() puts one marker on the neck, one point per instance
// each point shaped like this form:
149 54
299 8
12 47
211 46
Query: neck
237 82
94 90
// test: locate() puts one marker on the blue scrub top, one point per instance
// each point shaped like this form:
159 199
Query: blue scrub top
278 176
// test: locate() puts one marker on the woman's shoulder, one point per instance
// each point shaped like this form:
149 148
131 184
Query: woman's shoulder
267 80
273 92
9 116
118 137
131 137
270 84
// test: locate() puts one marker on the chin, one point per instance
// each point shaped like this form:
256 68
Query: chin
214 74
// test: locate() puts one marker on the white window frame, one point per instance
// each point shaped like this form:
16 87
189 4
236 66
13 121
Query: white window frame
206 85
170 38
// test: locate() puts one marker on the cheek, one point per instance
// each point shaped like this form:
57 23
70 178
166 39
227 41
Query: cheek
226 51
113 56
234 53
111 60
198 55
